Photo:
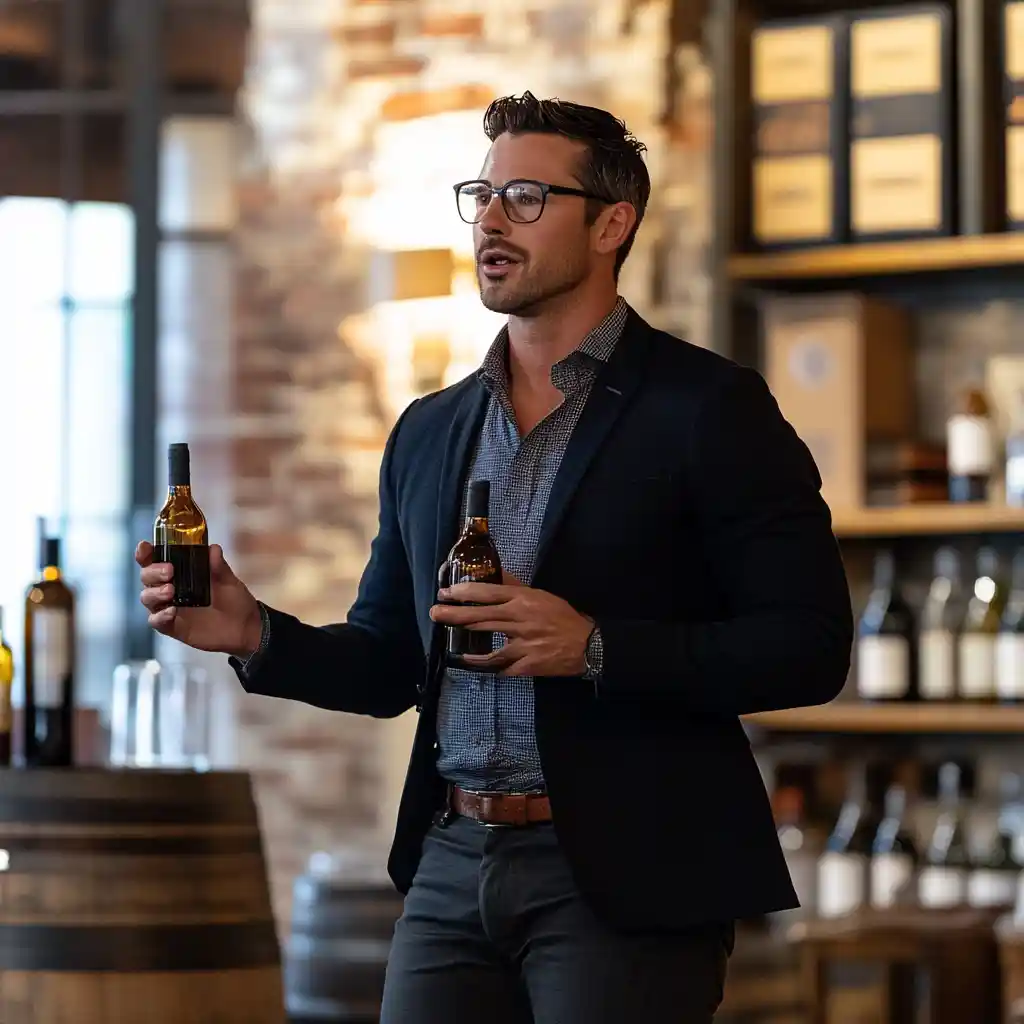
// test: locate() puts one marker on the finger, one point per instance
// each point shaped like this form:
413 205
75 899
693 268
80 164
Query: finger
144 552
466 615
163 620
509 580
497 660
482 593
219 568
155 599
157 575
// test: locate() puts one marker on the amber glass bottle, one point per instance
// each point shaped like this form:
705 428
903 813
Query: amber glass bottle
180 535
472 559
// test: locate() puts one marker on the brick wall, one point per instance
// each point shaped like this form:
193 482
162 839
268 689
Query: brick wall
359 116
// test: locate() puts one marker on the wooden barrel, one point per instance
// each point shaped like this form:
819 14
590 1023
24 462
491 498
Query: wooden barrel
134 897
337 953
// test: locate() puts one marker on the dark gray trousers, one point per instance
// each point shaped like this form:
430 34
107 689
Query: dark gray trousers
494 932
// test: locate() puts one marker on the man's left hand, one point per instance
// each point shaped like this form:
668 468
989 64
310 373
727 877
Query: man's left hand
546 635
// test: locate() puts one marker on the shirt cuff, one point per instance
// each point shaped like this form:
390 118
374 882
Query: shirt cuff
248 665
595 656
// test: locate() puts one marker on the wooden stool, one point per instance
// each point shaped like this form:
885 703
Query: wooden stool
901 966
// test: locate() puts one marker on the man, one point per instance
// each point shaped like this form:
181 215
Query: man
583 819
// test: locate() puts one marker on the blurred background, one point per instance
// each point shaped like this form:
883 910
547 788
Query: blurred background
231 223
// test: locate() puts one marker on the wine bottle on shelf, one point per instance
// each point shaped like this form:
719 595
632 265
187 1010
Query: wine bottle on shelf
472 559
6 686
995 872
1010 641
180 534
970 449
884 639
893 853
942 882
941 617
843 865
976 662
48 722
1015 454
788 807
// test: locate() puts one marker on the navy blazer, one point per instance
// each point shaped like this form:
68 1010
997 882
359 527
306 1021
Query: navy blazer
686 518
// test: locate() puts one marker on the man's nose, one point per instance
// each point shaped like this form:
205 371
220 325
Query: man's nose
494 221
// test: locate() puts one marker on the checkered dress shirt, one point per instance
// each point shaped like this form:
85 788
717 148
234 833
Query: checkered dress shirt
485 722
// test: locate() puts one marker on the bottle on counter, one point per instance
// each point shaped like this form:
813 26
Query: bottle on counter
1009 681
976 661
942 882
48 739
6 687
940 621
893 853
970 448
885 670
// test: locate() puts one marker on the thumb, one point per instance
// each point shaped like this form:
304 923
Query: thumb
509 580
219 568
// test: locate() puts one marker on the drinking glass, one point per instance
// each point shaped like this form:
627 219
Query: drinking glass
159 716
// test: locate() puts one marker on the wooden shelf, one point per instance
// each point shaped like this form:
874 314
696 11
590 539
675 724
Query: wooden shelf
925 519
884 259
852 717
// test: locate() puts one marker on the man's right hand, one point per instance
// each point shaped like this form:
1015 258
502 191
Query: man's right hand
230 625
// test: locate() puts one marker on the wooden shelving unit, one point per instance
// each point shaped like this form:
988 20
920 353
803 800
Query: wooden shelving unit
845 262
926 520
853 717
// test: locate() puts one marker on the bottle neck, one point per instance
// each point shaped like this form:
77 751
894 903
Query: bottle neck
51 572
475 524
179 491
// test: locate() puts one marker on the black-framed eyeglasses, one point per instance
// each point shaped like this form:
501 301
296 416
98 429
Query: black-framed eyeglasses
522 199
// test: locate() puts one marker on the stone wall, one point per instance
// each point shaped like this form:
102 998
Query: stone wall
359 116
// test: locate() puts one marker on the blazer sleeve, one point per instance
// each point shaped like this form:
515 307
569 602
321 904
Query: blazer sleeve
786 635
370 664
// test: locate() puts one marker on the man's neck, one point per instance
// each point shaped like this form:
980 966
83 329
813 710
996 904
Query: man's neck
536 343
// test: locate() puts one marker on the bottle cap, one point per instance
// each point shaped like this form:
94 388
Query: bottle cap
479 499
49 553
178 472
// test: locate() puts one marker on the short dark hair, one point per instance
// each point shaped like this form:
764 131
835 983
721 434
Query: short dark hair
612 168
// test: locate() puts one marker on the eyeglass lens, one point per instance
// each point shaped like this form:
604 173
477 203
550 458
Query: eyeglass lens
523 201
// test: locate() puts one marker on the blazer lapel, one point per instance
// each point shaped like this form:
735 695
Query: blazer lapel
612 389
462 433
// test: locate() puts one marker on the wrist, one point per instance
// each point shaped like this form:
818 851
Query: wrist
252 633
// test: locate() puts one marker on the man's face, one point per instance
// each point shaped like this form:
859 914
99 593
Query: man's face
548 257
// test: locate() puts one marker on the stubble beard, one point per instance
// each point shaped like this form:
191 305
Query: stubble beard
529 297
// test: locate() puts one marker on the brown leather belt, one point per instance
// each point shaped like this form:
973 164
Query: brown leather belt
501 808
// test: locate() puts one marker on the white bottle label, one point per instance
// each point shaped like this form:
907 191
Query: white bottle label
938 664
51 655
977 664
889 873
987 888
841 883
1010 666
883 667
969 448
940 887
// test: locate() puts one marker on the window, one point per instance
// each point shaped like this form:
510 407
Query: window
65 345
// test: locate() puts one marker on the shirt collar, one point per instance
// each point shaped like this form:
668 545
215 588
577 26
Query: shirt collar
598 345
